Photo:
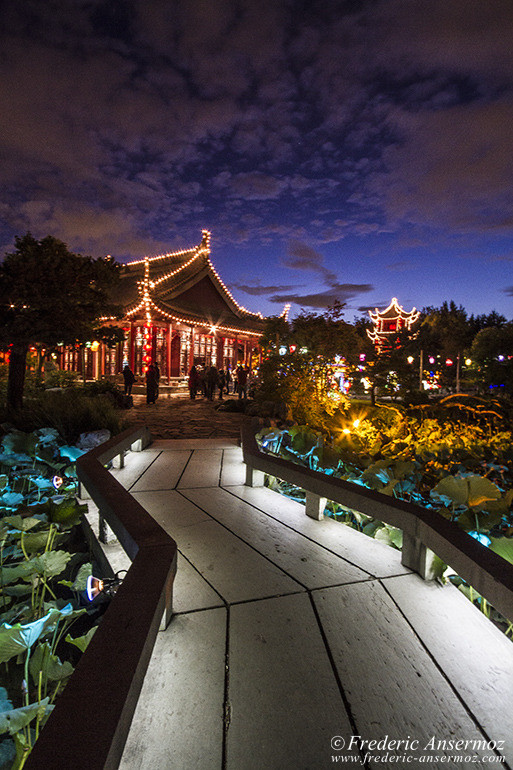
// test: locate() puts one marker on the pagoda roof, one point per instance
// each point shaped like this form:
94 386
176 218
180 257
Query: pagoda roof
184 287
394 310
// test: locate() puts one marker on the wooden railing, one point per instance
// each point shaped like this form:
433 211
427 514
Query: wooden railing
424 530
90 723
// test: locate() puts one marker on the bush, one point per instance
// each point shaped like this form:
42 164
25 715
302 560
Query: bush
70 412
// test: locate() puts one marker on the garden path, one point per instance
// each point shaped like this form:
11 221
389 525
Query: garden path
292 637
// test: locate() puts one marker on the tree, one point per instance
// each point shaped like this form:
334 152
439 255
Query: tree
491 349
50 296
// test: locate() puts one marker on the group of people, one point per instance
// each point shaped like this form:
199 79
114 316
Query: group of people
207 380
152 378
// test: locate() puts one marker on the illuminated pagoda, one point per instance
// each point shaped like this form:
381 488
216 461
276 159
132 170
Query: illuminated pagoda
389 323
177 312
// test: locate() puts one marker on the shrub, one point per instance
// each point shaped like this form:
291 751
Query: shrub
70 412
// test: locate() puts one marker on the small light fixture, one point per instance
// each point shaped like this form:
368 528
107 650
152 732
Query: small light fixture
57 482
108 586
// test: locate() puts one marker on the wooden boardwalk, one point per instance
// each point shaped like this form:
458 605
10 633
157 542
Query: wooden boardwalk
303 644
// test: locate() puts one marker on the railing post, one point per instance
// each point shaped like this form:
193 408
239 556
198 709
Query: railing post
105 534
416 556
315 505
254 478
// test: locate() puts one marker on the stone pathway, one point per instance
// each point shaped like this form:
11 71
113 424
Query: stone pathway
176 416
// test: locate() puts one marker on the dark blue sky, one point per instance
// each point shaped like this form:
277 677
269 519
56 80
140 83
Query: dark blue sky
336 150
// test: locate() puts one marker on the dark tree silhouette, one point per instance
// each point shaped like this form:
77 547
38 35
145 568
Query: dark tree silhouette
49 295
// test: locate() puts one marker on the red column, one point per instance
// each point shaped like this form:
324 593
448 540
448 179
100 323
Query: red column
191 351
132 346
169 334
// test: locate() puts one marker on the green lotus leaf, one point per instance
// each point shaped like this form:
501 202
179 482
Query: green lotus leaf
503 546
16 719
82 641
18 638
481 490
51 563
52 668
22 523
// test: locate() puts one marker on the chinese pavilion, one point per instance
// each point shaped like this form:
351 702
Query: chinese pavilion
178 312
390 322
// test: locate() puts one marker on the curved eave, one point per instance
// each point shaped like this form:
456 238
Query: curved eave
231 326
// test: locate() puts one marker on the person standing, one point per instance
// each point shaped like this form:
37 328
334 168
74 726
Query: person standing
242 379
193 382
221 382
151 385
129 379
211 380
228 380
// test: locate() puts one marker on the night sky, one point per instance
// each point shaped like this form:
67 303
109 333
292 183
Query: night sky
336 150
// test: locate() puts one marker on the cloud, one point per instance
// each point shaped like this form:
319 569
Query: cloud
509 291
260 290
342 292
302 257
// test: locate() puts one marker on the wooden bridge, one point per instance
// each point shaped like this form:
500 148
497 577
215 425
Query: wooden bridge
302 644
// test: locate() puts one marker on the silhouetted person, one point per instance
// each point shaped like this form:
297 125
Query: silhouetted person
129 378
151 385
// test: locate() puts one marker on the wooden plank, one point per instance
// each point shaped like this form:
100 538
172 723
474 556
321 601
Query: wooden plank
136 463
172 511
203 469
309 563
234 569
393 687
284 701
234 469
170 445
475 655
178 723
368 554
164 472
191 591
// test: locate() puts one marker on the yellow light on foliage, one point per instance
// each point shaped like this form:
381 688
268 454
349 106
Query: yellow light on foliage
346 431
356 423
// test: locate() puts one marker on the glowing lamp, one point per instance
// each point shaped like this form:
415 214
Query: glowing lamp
346 431
282 350
362 356
468 361
356 423
57 482
449 362
500 358
95 345
410 359
107 586
293 348
431 360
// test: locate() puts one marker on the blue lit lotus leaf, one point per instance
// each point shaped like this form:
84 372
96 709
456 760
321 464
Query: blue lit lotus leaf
71 452
11 499
41 482
483 539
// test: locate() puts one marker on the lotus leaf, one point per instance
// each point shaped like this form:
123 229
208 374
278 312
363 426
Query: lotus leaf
11 499
18 638
49 664
16 442
68 512
16 719
71 452
21 523
503 546
82 642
